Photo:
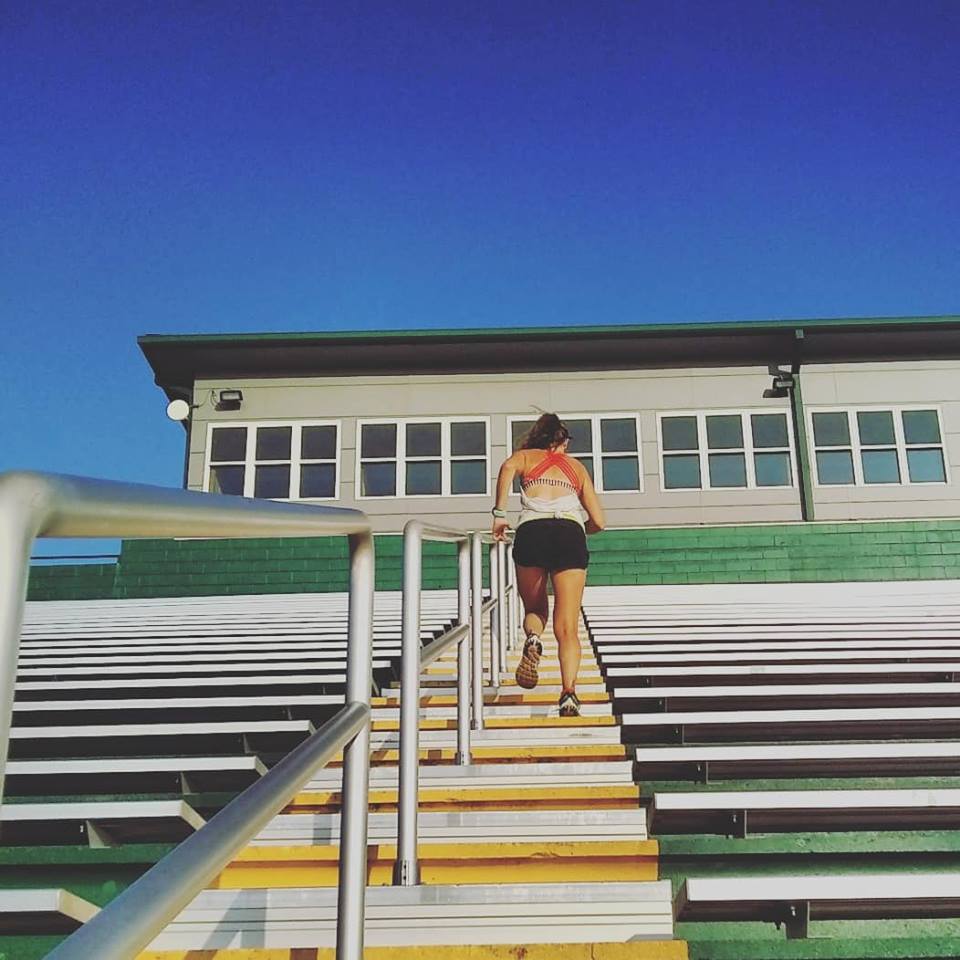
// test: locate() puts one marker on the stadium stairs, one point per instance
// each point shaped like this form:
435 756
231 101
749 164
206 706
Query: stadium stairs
761 771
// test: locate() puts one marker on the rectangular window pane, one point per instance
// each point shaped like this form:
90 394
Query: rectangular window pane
423 439
772 469
876 427
518 429
319 443
679 433
831 430
378 479
728 470
227 480
926 466
921 426
618 435
229 443
621 473
581 436
273 443
318 480
880 466
468 476
681 472
834 466
272 482
724 433
423 477
769 430
378 440
468 439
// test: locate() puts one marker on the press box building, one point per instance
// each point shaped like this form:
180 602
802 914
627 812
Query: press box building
783 450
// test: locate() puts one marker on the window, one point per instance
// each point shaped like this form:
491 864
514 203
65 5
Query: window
721 450
873 447
423 458
608 445
286 461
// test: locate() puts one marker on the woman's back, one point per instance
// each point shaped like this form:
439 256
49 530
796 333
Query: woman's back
550 482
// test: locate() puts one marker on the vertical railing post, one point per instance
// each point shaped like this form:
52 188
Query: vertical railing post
494 617
20 518
463 654
476 630
352 880
512 599
406 870
504 620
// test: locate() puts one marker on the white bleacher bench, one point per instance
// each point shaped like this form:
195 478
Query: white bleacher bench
126 707
103 823
427 915
796 901
32 912
759 696
235 736
739 813
809 724
495 826
797 759
703 675
143 774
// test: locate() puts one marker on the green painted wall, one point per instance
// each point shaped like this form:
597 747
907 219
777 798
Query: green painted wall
894 550
81 581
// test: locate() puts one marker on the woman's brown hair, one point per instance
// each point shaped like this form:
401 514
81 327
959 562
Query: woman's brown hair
547 432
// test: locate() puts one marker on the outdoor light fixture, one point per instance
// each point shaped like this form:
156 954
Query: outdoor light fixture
782 385
229 399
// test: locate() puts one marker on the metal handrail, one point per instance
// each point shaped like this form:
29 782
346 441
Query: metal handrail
48 505
468 635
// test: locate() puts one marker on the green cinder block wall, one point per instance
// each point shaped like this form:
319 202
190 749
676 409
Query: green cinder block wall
776 553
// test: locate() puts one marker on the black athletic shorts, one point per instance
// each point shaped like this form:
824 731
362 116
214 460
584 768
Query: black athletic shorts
551 544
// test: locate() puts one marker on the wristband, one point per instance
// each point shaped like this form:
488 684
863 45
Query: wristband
499 514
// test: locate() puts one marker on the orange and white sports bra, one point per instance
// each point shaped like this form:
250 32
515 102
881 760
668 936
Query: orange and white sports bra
566 506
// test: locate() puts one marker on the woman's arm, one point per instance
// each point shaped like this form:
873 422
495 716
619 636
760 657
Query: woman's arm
508 471
591 503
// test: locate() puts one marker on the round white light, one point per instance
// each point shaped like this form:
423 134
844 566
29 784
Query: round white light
178 410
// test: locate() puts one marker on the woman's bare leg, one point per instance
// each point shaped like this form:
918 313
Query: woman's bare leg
567 601
532 583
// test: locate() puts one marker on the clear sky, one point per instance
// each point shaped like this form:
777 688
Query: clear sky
208 167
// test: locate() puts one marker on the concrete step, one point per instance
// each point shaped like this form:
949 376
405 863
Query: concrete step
490 826
493 774
529 861
506 797
548 913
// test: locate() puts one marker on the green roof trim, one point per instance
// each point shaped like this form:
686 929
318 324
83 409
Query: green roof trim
483 333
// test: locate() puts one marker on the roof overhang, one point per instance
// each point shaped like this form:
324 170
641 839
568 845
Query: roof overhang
178 361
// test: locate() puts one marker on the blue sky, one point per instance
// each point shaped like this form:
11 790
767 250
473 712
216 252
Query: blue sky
206 167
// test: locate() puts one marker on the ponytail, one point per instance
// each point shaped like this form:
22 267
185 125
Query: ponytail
547 432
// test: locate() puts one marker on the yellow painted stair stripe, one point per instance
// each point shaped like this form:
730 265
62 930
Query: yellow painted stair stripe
512 753
505 723
638 950
618 797
504 700
626 861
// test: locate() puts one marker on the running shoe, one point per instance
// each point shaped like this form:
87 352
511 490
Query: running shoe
569 705
527 668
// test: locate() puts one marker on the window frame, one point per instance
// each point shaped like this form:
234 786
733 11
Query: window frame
250 460
400 459
748 449
900 444
596 453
